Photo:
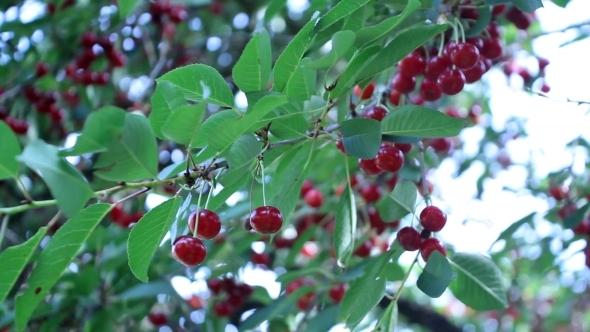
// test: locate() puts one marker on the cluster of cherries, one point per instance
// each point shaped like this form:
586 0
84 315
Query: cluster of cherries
335 293
190 250
174 11
432 219
236 294
124 219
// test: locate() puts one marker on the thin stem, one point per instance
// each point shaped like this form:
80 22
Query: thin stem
3 228
195 230
401 287
461 30
131 196
263 186
441 46
425 190
211 186
23 189
54 219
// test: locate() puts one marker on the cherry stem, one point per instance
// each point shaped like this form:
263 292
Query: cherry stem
23 189
199 207
441 46
133 195
425 190
461 30
263 180
3 228
401 287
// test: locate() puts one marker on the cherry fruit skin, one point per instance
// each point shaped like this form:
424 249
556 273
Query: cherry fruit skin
364 250
365 93
340 146
409 238
306 187
376 113
223 309
465 55
336 293
559 192
158 318
215 285
394 97
492 48
369 166
370 192
314 198
189 250
266 220
389 158
474 73
432 218
451 81
430 245
402 83
441 145
412 65
209 224
435 66
41 69
404 147
429 90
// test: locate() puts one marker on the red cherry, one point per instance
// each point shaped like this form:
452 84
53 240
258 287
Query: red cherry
85 58
314 198
158 318
404 147
364 250
493 30
412 65
222 309
559 192
389 158
209 224
177 14
474 73
429 246
451 81
56 115
526 76
376 113
542 64
469 13
429 90
41 69
402 83
88 39
354 180
18 126
117 59
260 259
375 220
106 43
409 238
236 301
215 285
304 302
519 18
189 250
336 293
449 49
567 210
32 94
3 112
492 48
369 166
465 55
582 228
305 187
370 192
102 78
498 9
340 146
394 97
435 66
432 218
365 93
475 41
266 220
545 88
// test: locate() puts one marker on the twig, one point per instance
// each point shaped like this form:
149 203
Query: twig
401 287
425 190
54 219
23 189
326 130
573 26
568 100
3 228
135 194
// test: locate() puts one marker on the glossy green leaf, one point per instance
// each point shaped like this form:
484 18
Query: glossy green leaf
126 7
184 123
201 83
528 6
417 121
289 60
213 125
252 71
100 128
508 232
147 290
14 259
166 98
483 19
480 284
388 321
10 149
273 9
385 27
66 183
302 84
361 137
357 19
323 321
345 227
134 156
575 218
341 10
55 258
244 151
399 203
356 66
290 127
561 3
402 45
145 237
233 129
342 41
437 275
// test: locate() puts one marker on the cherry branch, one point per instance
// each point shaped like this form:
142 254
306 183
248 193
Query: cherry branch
573 26
309 134
568 100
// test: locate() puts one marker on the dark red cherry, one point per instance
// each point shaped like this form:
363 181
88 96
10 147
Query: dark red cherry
429 90
389 158
409 238
441 145
189 250
402 83
433 219
305 187
41 69
435 66
474 73
314 198
465 55
364 250
365 93
215 285
158 318
369 166
266 220
451 81
429 246
475 41
492 48
394 97
370 192
404 147
336 293
209 224
376 113
223 309
412 65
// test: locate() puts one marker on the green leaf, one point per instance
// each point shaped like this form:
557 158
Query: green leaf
508 232
243 151
300 241
147 290
287 128
223 139
201 83
145 237
126 7
561 3
184 123
273 8
55 258
252 71
483 19
10 149
66 182
399 203
417 121
402 45
100 128
528 6
345 226
14 260
302 84
324 320
437 275
388 321
361 137
480 284
290 59
134 156
575 218
380 30
213 125
342 41
166 98
357 19
341 10
356 66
